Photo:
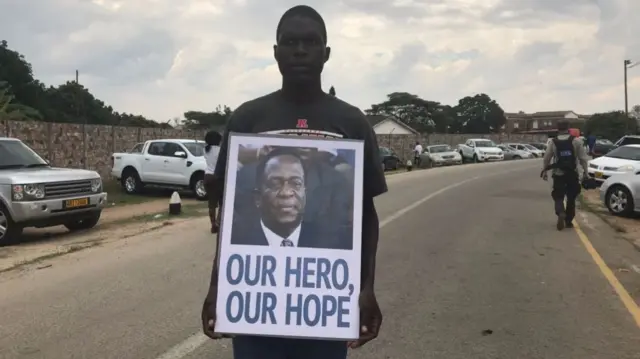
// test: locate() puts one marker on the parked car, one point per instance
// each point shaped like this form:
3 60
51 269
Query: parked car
627 140
527 148
539 145
167 163
480 150
625 159
601 148
34 194
440 155
513 154
390 161
621 194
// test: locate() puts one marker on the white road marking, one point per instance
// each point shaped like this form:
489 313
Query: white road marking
191 344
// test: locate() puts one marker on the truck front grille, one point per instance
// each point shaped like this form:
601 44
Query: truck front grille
67 189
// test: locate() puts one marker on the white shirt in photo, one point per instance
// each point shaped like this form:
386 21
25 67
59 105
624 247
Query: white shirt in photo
276 240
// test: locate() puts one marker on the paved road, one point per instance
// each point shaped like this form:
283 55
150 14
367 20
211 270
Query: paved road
463 251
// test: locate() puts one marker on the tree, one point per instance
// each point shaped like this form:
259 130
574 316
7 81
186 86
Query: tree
407 108
610 125
332 91
635 112
207 120
71 102
480 114
14 111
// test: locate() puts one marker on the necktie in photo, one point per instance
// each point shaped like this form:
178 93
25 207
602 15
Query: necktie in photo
286 243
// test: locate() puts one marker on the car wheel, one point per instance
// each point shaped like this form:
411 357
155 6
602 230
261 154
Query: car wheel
84 223
475 158
130 181
198 187
517 157
619 200
10 231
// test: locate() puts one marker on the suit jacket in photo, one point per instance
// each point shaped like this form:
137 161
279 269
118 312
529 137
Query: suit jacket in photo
248 231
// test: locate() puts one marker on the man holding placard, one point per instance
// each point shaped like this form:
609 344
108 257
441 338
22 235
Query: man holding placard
302 108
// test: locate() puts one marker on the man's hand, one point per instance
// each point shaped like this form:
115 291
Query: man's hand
209 315
370 318
544 175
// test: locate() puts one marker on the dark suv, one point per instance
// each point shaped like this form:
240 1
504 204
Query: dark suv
390 161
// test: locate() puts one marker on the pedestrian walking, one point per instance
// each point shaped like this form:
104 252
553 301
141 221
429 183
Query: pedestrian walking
211 151
417 151
563 156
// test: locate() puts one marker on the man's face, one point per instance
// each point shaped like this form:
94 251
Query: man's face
301 50
282 196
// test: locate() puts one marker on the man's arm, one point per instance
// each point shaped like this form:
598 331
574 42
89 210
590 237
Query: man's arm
374 184
548 154
582 156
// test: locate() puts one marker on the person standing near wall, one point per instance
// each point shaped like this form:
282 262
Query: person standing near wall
211 152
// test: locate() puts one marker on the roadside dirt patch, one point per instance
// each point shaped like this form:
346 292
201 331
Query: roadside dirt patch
38 246
629 228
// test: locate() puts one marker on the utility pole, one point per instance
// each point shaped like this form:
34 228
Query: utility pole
84 123
626 94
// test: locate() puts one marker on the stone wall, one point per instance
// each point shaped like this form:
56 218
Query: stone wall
63 144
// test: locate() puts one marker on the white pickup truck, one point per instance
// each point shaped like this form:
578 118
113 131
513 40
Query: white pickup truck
172 164
480 150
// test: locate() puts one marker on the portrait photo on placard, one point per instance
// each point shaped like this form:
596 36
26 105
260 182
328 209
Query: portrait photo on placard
294 197
291 237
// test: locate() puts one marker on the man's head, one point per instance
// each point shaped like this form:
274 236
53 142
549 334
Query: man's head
301 45
280 186
563 126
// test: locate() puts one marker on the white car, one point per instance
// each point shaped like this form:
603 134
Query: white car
535 152
166 163
480 150
624 159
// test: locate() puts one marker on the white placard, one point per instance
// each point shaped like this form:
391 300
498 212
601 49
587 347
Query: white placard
303 192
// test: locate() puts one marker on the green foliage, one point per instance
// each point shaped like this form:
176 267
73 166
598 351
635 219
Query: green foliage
610 125
22 97
472 114
207 120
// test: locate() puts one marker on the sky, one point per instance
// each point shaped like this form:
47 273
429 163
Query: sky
160 58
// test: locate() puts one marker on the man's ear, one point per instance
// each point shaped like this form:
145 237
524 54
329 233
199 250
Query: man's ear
275 52
327 54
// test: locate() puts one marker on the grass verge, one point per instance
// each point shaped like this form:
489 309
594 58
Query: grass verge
601 213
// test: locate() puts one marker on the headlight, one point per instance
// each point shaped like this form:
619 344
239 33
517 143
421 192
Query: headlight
96 185
28 191
625 168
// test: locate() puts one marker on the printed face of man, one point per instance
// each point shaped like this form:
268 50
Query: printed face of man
282 193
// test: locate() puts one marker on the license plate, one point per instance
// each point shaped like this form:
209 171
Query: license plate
599 174
75 203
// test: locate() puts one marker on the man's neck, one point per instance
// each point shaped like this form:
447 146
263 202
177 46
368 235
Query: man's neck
302 92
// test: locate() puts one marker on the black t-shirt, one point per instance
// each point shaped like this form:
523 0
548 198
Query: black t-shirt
328 117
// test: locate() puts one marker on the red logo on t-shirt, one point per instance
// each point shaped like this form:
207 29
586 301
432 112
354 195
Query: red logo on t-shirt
302 123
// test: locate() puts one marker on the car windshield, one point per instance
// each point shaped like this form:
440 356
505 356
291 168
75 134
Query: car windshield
505 148
485 144
15 154
625 153
196 148
439 149
529 147
604 142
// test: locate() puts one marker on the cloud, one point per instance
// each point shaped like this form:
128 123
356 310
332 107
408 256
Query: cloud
161 58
